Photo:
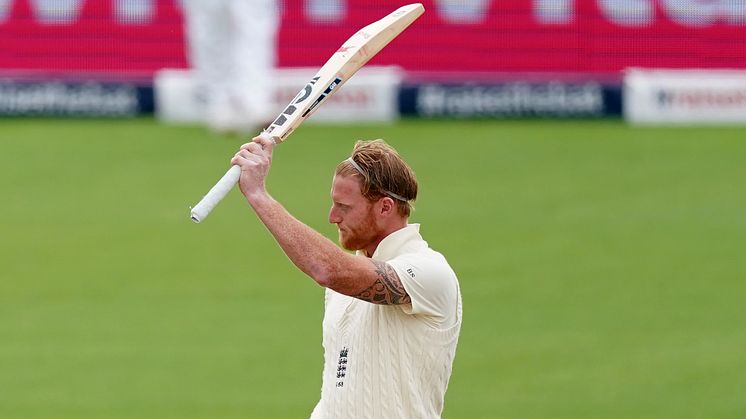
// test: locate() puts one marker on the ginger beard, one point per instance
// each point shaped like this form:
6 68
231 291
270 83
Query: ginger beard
358 235
355 215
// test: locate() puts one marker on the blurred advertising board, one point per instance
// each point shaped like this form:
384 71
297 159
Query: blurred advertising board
470 47
589 36
511 99
24 96
685 96
370 96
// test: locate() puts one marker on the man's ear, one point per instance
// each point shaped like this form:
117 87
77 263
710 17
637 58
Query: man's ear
388 205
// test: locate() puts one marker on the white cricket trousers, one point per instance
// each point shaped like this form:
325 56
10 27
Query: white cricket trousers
232 50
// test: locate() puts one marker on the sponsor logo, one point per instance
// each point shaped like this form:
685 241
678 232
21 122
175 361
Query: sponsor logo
511 100
58 98
306 91
702 99
304 94
322 96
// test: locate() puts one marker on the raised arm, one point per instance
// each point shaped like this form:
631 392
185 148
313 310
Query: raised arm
314 254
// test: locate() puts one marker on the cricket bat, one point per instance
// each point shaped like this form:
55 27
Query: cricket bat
345 62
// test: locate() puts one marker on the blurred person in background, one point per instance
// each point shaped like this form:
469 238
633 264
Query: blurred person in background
232 51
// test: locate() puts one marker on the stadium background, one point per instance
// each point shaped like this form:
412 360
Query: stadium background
602 265
602 38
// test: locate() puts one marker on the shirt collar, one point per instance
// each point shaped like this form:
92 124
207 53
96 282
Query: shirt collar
389 247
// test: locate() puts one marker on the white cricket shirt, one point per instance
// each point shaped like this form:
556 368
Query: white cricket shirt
393 361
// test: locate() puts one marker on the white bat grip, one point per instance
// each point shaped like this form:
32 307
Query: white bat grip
216 194
221 189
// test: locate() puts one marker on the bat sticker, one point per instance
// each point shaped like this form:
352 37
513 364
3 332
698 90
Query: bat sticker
306 92
290 109
322 96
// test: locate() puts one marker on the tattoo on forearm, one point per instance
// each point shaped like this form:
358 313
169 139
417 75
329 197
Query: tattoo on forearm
387 289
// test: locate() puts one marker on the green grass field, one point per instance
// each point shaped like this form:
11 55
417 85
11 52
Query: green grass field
603 269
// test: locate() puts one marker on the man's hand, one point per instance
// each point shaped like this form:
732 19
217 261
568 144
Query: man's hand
255 159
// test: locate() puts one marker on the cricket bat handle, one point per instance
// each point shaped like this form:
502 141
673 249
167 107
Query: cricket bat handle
221 189
216 194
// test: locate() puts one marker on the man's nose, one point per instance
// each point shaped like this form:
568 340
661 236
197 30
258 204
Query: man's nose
333 216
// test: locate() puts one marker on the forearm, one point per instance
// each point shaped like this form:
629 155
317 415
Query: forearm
314 254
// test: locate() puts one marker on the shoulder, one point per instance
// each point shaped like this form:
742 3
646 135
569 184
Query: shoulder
429 281
425 263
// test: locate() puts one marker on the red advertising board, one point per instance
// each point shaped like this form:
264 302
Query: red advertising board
565 36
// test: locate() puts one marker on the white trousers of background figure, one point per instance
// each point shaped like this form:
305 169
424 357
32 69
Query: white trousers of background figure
232 51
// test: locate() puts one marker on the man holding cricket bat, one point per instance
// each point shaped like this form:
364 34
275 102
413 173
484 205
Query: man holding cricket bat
392 309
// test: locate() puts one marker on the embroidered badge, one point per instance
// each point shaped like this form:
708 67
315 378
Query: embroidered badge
342 367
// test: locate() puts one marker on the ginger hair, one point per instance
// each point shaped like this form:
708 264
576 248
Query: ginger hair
385 173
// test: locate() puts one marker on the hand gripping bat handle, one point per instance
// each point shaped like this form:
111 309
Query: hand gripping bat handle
218 192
